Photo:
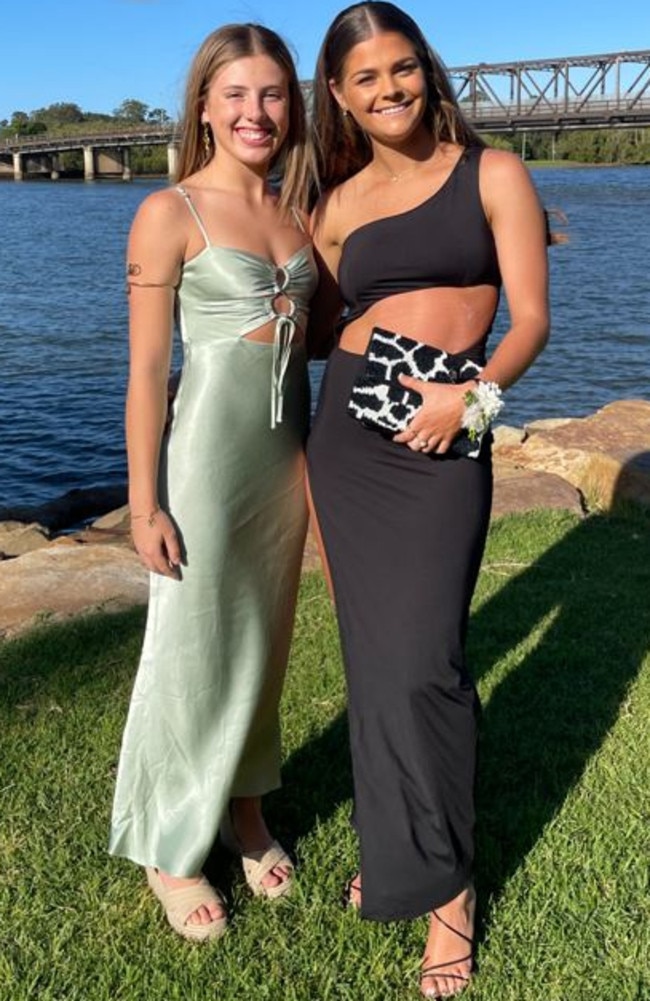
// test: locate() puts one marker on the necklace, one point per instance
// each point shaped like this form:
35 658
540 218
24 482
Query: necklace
398 175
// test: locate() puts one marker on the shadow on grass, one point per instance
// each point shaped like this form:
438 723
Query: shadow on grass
61 658
547 717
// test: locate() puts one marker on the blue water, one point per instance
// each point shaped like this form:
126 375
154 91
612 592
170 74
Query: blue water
63 319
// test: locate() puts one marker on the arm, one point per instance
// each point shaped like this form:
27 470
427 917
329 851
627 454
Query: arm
519 227
155 254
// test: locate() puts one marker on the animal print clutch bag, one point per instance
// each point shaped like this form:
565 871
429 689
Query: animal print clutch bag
380 402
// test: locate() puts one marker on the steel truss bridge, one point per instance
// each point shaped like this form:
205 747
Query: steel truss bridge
577 92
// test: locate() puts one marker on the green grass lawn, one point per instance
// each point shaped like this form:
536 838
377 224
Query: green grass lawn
559 642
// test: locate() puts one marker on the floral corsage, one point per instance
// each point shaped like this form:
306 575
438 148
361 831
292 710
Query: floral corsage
482 405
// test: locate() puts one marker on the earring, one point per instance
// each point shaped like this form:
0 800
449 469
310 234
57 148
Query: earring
207 143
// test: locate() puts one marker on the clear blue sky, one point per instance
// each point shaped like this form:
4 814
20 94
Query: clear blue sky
97 53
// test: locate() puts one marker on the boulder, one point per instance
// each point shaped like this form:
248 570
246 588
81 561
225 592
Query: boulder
17 538
517 490
67 578
606 456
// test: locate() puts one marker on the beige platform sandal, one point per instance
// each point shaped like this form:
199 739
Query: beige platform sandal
180 902
258 864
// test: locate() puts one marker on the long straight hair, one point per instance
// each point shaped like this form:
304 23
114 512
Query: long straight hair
223 46
341 148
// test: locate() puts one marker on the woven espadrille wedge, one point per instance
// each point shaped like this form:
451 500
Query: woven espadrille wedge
180 902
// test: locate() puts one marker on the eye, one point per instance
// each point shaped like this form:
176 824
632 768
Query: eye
274 95
408 68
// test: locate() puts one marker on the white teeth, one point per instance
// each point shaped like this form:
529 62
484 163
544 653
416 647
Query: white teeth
394 110
250 134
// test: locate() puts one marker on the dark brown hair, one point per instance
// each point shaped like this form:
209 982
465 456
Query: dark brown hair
224 46
341 147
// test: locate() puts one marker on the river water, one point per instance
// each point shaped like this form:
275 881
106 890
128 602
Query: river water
63 344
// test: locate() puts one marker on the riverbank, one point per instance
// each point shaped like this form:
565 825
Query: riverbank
47 573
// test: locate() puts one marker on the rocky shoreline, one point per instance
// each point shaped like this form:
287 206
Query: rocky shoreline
582 465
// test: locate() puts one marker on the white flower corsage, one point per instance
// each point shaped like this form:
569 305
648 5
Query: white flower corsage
482 405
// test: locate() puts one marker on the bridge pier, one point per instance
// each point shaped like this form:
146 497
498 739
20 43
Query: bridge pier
19 172
89 163
172 160
55 167
127 173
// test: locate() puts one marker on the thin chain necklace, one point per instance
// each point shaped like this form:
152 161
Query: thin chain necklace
397 176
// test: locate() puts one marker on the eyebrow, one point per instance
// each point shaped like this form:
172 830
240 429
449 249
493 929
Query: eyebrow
405 61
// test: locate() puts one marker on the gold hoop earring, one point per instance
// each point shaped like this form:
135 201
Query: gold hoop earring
207 142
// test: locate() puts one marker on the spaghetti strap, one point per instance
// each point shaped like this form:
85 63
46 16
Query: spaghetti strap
197 218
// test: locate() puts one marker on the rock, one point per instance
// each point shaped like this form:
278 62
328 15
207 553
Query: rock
119 519
71 509
17 538
546 424
605 456
505 435
517 490
67 578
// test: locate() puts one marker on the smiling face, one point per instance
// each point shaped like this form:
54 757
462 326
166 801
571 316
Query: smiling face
247 108
383 87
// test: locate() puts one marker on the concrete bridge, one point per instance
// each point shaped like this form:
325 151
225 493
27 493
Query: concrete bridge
551 95
104 154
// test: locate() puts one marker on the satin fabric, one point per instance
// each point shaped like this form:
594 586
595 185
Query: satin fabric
203 719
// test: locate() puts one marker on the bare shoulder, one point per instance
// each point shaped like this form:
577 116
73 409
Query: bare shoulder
160 212
334 210
500 168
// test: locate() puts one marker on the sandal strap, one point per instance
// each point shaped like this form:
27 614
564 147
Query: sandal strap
180 902
432 971
259 864
451 928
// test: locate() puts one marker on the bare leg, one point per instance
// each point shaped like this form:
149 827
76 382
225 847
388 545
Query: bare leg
253 835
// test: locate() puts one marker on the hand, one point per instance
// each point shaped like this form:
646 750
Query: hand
438 421
157 545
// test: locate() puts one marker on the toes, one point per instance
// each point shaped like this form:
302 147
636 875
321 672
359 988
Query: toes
276 876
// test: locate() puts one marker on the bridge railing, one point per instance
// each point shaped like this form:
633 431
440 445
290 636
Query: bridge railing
138 135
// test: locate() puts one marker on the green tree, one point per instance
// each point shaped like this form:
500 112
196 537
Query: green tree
132 111
61 113
158 116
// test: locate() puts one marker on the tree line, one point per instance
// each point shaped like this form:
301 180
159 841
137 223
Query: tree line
589 146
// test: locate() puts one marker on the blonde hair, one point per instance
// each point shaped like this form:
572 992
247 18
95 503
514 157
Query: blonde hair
341 148
224 46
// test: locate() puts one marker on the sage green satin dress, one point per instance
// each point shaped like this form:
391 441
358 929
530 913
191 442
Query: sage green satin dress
203 720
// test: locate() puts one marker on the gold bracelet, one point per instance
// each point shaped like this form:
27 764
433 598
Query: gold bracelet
151 518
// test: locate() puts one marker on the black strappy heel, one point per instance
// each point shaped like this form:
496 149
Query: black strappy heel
437 969
352 885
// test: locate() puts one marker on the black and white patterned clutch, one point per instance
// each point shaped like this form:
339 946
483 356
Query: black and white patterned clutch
380 402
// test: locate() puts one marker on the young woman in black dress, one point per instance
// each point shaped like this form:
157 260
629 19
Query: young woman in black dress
418 228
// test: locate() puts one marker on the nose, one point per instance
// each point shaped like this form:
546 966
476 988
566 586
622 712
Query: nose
254 107
392 88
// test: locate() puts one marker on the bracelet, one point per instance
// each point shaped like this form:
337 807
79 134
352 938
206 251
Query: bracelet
482 405
151 517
